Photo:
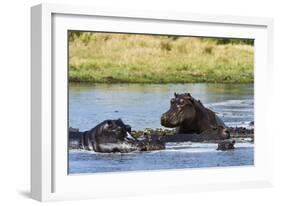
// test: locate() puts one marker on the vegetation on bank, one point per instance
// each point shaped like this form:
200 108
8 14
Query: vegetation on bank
130 58
164 131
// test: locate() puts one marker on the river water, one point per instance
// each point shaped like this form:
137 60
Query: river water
141 106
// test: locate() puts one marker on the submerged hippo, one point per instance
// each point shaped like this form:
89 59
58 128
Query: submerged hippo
214 134
189 115
150 143
226 145
109 136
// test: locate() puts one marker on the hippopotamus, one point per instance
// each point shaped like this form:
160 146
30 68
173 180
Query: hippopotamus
189 115
150 143
110 136
226 145
214 134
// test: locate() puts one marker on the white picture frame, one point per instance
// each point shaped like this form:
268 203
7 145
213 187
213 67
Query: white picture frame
49 178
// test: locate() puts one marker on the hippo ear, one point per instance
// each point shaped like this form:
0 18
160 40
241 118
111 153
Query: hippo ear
188 94
109 122
176 95
119 120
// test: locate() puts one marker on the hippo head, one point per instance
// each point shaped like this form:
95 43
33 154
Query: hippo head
115 130
182 108
219 132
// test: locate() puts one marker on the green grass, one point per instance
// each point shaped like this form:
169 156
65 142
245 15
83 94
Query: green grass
123 58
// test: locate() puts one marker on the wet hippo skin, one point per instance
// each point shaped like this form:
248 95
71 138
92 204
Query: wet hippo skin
189 115
109 136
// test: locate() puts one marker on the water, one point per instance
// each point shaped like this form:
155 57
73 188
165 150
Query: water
141 106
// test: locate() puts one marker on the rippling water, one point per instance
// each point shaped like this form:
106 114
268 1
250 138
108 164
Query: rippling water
141 106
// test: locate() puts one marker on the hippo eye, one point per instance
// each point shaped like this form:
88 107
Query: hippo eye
181 101
173 100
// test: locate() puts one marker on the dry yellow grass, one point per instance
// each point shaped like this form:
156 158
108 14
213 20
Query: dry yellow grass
102 57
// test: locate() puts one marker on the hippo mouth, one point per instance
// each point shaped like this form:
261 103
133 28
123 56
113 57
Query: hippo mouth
129 138
166 121
123 147
226 134
127 143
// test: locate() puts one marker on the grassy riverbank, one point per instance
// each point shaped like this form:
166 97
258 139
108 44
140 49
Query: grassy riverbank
121 58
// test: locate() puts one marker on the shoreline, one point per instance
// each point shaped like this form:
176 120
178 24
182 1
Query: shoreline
176 82
236 133
156 83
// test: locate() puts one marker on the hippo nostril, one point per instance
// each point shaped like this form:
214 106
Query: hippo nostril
164 119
